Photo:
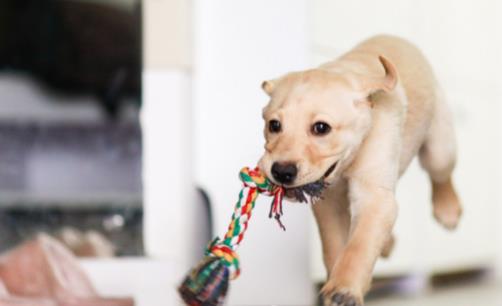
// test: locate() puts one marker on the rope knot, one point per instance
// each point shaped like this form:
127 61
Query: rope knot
228 256
254 178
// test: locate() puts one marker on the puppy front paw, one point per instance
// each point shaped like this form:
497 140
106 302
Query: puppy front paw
344 299
339 296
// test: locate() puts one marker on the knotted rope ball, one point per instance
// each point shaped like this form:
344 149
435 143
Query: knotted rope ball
207 283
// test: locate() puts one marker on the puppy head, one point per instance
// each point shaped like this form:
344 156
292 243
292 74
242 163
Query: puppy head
314 121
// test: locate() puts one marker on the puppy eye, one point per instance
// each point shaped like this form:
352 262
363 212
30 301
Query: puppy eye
274 126
321 128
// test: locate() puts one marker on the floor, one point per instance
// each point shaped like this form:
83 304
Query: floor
485 294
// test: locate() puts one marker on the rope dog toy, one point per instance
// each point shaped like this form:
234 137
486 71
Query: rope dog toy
207 283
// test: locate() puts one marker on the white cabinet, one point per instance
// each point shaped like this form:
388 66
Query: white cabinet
237 45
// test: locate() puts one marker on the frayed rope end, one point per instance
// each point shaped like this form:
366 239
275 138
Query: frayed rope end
207 284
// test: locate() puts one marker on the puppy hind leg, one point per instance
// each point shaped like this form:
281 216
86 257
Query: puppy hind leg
437 156
388 247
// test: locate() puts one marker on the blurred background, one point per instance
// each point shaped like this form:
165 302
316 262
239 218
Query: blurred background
124 123
70 139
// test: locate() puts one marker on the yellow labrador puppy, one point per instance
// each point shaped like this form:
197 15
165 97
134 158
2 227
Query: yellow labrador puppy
344 133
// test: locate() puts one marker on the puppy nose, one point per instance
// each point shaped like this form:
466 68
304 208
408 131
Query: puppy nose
284 173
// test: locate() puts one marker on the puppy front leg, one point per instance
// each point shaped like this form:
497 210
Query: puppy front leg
374 212
333 222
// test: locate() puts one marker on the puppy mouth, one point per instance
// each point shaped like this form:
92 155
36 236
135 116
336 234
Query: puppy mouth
311 190
330 170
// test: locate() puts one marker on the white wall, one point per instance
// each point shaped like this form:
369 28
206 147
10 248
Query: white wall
498 89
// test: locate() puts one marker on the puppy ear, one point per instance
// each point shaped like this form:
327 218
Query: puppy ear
268 87
389 81
386 83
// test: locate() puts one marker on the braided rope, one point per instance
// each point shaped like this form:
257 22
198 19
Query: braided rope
255 183
208 282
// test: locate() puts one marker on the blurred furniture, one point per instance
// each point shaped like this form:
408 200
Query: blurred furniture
70 84
77 47
67 167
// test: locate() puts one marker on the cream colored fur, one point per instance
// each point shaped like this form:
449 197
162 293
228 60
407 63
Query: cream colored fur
384 106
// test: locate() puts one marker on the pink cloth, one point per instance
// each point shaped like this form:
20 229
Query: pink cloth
42 272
